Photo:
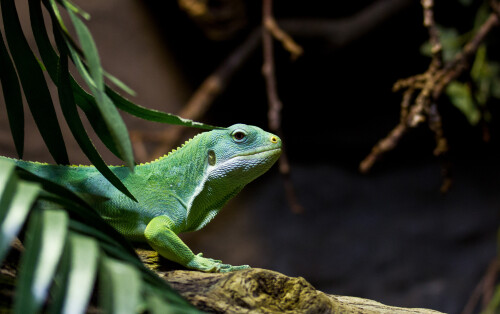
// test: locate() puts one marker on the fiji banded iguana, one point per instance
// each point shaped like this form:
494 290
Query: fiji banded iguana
179 192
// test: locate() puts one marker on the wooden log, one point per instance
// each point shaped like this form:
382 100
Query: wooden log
258 290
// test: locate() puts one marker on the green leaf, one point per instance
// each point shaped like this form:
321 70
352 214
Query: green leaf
157 305
70 112
58 289
151 114
119 83
73 7
45 238
117 127
8 184
89 49
35 88
13 98
22 196
84 219
50 58
120 287
105 237
451 43
95 82
460 96
110 115
87 103
82 273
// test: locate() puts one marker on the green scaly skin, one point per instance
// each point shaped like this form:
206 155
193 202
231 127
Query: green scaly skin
179 192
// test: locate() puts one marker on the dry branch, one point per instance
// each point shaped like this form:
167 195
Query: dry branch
275 104
337 31
425 89
204 96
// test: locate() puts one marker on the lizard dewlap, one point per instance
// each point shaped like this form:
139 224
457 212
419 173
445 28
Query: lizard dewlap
179 192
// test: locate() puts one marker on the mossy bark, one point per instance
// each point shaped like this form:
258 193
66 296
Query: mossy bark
247 291
261 291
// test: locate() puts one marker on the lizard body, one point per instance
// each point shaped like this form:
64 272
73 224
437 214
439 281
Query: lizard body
179 192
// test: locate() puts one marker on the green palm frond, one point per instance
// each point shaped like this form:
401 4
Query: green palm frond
69 250
100 105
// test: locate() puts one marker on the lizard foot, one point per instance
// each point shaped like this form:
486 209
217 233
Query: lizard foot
212 265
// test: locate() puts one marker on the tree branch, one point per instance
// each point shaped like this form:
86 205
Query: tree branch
337 31
275 104
426 88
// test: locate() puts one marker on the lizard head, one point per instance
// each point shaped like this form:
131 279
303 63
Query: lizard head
241 153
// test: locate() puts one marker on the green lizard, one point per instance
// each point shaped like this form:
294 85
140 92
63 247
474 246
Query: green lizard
179 192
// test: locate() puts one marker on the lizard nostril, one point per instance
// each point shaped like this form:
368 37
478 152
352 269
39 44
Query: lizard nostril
274 139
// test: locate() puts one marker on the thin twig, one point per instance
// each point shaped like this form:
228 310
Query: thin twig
429 22
429 86
286 40
336 31
275 104
339 32
484 288
204 96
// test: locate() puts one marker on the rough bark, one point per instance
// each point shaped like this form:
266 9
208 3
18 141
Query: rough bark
253 290
261 291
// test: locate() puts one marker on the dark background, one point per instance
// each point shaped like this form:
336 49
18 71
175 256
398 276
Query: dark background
389 235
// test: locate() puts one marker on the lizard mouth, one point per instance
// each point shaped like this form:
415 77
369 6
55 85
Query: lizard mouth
269 150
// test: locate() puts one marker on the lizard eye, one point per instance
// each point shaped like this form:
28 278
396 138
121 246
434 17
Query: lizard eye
239 136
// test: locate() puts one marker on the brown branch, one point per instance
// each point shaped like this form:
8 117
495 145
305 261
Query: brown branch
429 22
462 61
338 32
428 87
204 96
484 288
288 43
275 104
495 7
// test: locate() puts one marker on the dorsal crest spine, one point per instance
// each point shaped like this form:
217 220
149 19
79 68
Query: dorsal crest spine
173 151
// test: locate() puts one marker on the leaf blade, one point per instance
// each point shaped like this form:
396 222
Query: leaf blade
13 98
34 85
70 112
152 115
82 273
120 287
95 81
45 239
84 100
21 203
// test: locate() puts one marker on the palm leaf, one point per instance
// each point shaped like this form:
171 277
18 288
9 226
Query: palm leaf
13 98
120 287
66 246
45 238
35 88
75 124
84 100
69 248
77 275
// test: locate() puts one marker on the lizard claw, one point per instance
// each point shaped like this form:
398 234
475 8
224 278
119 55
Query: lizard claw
211 265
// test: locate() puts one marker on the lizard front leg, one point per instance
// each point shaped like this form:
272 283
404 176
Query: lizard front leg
164 240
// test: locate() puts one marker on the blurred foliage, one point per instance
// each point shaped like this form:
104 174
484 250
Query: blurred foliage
472 97
483 81
69 249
